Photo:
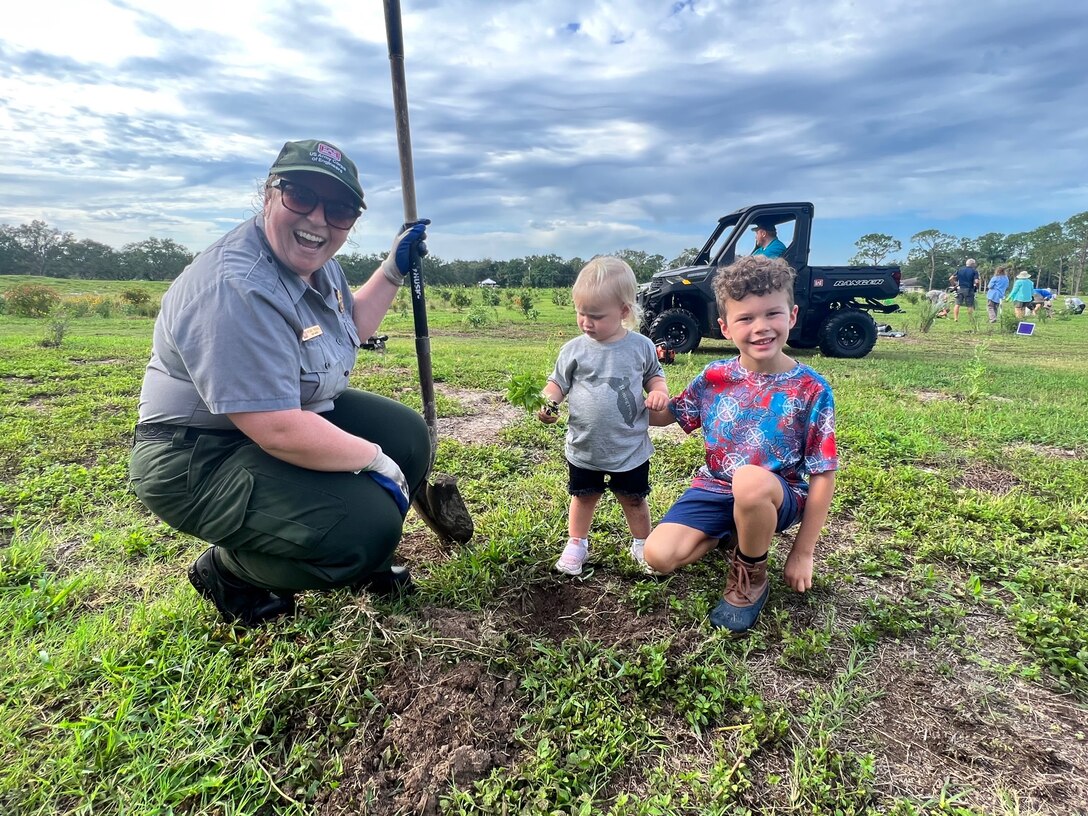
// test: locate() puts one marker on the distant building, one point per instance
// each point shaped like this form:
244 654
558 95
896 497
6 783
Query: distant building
488 282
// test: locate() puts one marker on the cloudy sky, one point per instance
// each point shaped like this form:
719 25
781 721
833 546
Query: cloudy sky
567 126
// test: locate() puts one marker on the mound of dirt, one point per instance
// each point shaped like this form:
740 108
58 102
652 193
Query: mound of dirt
445 724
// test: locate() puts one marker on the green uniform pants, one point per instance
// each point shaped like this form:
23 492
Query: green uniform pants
279 526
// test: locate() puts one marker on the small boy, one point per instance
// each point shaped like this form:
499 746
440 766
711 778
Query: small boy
768 422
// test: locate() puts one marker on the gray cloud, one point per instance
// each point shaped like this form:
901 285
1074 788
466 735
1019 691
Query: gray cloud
570 127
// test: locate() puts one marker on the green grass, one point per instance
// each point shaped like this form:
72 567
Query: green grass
952 576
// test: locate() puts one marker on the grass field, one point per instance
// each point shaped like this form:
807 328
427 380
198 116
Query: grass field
939 665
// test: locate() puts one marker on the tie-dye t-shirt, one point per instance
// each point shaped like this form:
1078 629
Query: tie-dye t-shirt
782 422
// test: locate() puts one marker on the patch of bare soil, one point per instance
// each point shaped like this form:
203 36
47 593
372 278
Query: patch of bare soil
985 478
446 723
942 719
945 721
561 608
490 414
1050 450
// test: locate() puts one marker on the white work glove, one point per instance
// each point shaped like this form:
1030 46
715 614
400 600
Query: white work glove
388 475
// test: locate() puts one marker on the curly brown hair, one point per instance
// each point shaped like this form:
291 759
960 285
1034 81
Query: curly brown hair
753 275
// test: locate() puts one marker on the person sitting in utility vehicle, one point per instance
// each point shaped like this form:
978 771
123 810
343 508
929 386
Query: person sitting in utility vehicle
767 243
768 426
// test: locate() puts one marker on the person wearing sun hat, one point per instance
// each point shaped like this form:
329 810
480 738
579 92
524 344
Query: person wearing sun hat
249 437
767 243
1022 293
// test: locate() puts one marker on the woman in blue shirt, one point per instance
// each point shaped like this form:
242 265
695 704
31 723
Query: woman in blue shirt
995 291
1022 294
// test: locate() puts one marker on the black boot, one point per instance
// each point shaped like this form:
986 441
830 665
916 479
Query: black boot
387 583
236 600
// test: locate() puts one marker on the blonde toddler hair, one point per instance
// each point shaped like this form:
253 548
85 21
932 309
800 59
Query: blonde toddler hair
608 279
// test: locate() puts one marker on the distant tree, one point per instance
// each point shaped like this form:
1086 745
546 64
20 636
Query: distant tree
358 268
546 271
40 243
1076 228
153 259
874 248
932 245
86 259
685 258
12 256
992 247
644 265
1050 252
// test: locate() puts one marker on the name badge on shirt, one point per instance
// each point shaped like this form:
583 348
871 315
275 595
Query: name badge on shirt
311 333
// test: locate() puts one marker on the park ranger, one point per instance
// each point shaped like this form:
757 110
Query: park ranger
249 437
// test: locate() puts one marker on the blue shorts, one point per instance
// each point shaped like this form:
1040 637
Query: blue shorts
712 513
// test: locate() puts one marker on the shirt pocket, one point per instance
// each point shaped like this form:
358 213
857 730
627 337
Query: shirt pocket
315 365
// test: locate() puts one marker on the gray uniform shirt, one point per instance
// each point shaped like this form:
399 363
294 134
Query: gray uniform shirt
240 332
604 385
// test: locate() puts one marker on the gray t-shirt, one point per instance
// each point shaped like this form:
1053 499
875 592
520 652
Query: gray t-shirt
604 385
240 332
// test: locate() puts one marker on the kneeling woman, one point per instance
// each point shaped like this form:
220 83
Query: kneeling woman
248 436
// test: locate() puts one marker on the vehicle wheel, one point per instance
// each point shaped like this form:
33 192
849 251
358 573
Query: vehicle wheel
678 329
848 333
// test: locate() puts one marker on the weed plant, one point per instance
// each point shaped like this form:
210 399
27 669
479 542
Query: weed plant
949 617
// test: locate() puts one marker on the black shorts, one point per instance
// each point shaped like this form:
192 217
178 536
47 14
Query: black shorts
965 296
634 483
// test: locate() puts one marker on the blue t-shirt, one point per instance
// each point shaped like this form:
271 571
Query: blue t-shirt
967 277
1045 294
775 249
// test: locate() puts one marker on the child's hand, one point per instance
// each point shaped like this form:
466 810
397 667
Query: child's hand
798 570
549 414
657 401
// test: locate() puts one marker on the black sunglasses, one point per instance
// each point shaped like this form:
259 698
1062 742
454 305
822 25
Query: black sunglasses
301 200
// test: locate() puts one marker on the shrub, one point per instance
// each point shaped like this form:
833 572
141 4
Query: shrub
524 301
460 299
145 310
80 305
58 327
105 307
490 297
927 313
1007 320
31 300
478 317
135 297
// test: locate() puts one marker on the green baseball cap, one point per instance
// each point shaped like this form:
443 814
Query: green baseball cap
312 156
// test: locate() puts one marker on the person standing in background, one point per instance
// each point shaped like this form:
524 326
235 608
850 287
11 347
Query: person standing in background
966 286
995 292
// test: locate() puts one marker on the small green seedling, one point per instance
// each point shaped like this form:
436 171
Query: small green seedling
526 392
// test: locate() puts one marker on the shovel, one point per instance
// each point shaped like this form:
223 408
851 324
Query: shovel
439 502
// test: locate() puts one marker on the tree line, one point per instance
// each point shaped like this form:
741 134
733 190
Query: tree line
1055 253
39 249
